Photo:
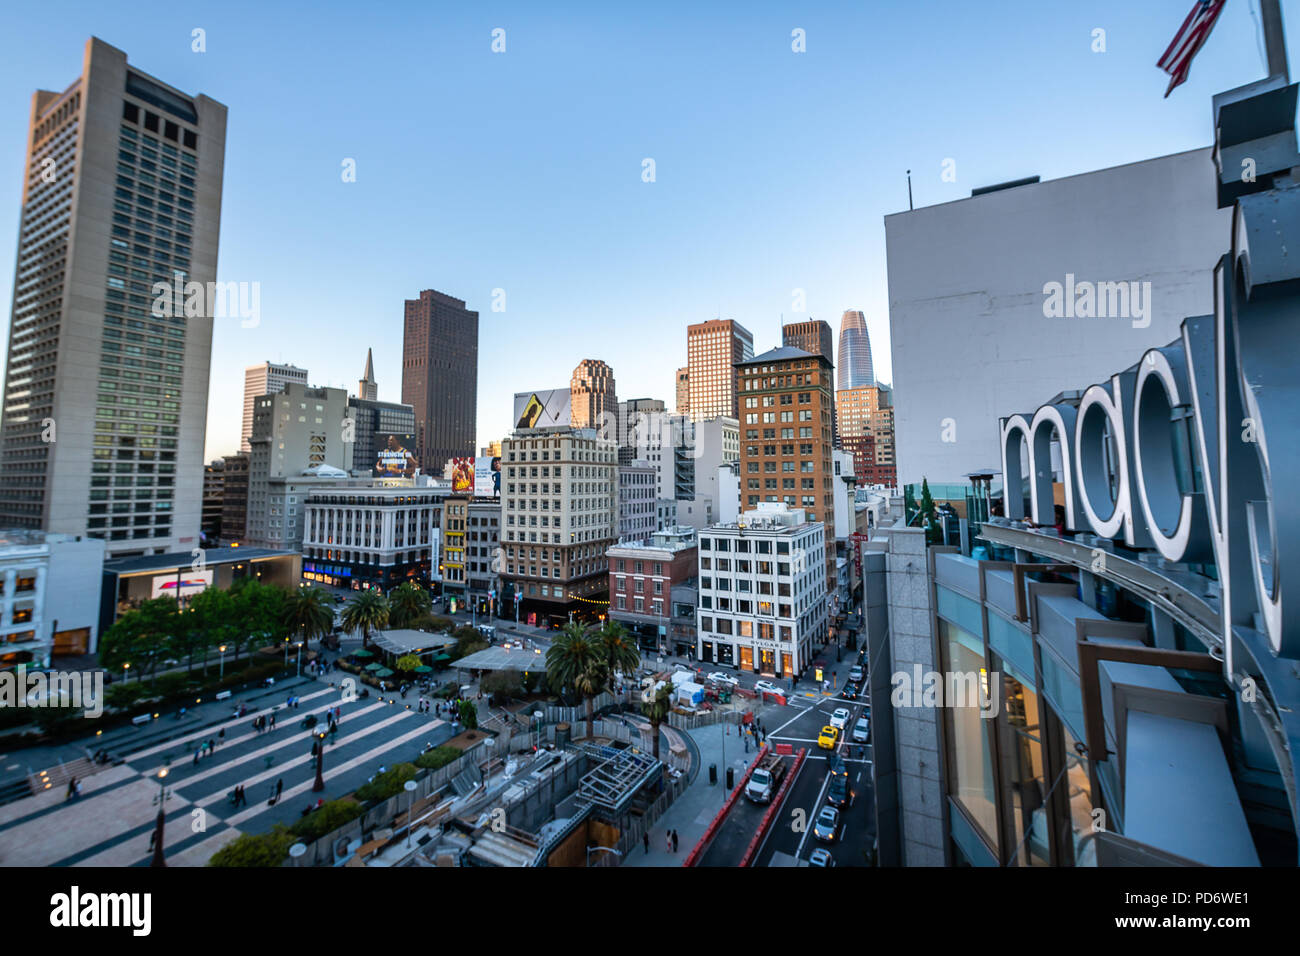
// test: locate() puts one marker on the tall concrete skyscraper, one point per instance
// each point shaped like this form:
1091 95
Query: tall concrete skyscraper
265 378
106 393
440 377
592 402
368 388
683 378
855 366
712 350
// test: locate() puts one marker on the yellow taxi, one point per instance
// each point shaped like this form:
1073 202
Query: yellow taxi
828 738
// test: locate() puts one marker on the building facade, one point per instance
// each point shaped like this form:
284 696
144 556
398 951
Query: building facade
970 280
762 591
440 377
106 384
559 492
642 576
712 350
682 377
471 537
813 336
49 596
636 501
856 367
375 421
637 417
297 442
234 498
367 537
867 412
214 500
592 399
785 448
265 378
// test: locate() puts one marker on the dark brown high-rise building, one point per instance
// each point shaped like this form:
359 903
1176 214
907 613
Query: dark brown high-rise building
440 377
786 396
814 336
592 402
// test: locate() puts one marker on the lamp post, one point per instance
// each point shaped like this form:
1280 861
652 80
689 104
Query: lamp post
161 799
538 717
319 785
222 649
126 672
409 787
300 643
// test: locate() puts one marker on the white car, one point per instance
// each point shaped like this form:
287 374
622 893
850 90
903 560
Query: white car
840 718
862 731
718 677
767 687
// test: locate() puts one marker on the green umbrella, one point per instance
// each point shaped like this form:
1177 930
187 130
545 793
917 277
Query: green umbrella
374 667
383 672
441 657
423 669
362 653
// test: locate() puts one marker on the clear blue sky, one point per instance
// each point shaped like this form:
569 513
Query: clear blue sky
522 170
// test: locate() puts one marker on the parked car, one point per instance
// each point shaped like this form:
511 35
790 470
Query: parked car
828 738
862 730
840 719
821 857
718 677
767 687
827 827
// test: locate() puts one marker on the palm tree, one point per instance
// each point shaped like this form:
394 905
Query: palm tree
308 614
575 660
407 604
657 709
618 649
367 613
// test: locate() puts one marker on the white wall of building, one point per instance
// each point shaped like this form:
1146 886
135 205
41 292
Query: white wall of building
969 338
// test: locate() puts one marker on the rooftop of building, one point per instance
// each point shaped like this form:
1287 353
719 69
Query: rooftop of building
670 540
769 517
173 560
782 353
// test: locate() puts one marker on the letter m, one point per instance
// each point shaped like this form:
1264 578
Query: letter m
1115 297
118 905
223 300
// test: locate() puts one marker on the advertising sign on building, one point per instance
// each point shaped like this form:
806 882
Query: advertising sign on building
487 477
182 586
393 456
462 476
542 409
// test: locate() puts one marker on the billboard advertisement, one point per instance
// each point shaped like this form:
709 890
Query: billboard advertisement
393 456
487 477
542 409
462 476
182 586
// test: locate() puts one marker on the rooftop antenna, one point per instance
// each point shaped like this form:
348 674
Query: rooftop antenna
909 190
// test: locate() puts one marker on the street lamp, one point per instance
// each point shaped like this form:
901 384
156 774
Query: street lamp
539 716
161 820
300 643
126 672
409 787
222 649
319 785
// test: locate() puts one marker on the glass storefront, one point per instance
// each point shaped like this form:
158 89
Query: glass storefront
970 757
747 658
1023 782
767 662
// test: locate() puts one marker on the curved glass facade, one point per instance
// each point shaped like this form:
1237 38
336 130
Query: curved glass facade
855 366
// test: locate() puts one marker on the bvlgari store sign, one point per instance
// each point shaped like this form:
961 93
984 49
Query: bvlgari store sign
1226 397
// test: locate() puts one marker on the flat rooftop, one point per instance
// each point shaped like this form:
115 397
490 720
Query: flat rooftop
184 559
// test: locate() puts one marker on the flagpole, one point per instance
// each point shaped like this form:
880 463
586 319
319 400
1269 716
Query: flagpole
1274 39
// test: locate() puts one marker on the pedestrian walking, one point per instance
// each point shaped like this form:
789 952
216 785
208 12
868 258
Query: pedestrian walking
273 721
72 788
221 735
674 841
279 786
645 838
668 840
196 756
212 746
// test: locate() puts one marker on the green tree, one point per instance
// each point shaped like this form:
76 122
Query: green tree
309 614
367 613
143 638
256 849
469 714
408 604
576 661
619 649
929 520
407 663
259 617
213 613
657 710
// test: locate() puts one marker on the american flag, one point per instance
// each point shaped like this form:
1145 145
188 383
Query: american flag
1177 60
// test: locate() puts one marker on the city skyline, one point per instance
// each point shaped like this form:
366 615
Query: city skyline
283 174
